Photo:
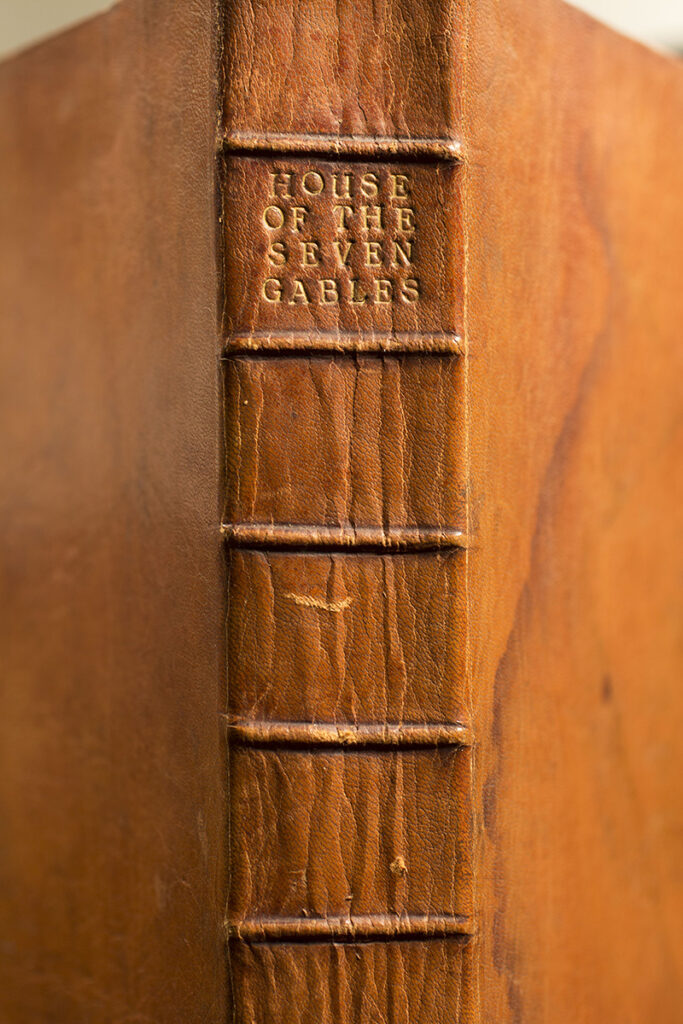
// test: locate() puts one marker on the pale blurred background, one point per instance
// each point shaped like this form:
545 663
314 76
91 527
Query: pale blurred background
657 22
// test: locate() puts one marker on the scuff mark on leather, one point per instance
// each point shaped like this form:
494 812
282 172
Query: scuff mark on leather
306 601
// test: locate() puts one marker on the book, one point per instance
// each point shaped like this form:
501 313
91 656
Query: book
340 499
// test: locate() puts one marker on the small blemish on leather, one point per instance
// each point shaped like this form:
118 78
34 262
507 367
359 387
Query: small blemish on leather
398 866
316 602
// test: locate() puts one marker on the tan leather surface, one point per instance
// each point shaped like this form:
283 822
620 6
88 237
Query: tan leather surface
409 982
111 777
347 68
351 873
449 606
320 246
564 224
345 442
574 224
331 833
299 646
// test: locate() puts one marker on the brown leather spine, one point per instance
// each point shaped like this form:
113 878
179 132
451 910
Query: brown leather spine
448 257
346 518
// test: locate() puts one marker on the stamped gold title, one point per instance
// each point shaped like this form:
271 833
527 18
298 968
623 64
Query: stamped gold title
340 237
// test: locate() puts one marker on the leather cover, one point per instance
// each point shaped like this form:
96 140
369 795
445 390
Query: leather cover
112 863
386 294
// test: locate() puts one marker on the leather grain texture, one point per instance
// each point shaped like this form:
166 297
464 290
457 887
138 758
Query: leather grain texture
574 226
343 442
387 293
300 647
408 982
344 68
347 832
351 817
562 228
112 780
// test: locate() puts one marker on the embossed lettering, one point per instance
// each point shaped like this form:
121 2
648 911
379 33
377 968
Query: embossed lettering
272 290
411 290
273 217
343 250
375 233
313 183
281 183
277 254
403 252
329 292
299 294
400 186
343 191
298 217
358 296
383 290
373 254
372 216
406 218
310 254
342 214
369 185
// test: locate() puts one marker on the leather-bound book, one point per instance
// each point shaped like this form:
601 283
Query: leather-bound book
340 530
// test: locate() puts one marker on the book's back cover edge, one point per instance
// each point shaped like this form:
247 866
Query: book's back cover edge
573 221
112 783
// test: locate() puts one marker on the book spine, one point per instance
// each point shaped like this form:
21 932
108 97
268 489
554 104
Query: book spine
346 521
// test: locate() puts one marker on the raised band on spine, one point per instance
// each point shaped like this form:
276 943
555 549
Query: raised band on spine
294 536
344 735
349 929
358 146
